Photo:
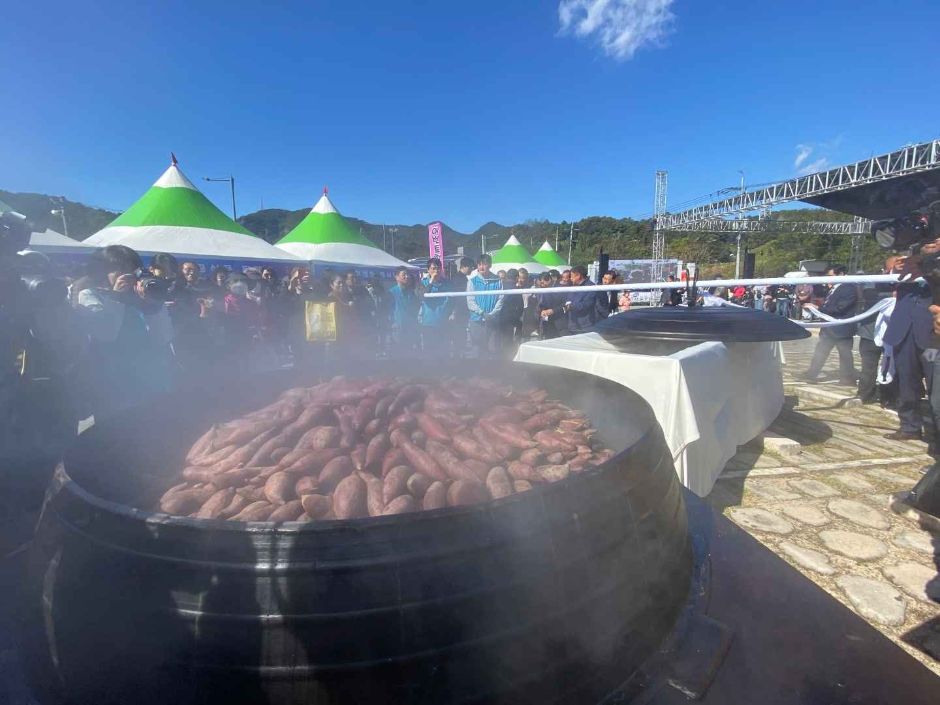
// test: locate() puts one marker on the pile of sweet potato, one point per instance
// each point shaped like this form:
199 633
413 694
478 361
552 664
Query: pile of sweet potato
351 448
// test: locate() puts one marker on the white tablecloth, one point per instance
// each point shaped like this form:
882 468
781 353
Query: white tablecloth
709 398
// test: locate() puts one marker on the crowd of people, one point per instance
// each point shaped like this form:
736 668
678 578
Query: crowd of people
784 300
123 329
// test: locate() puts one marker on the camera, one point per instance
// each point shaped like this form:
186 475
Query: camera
909 232
153 288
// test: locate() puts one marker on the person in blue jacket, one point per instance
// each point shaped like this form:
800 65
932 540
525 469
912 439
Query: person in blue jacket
484 308
581 308
404 314
435 313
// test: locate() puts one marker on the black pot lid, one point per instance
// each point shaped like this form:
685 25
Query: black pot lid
725 324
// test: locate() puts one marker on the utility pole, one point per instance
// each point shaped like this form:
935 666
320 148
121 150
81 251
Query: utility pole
737 256
570 239
556 238
383 238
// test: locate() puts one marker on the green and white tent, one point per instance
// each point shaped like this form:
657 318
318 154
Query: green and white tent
325 237
514 255
174 216
547 257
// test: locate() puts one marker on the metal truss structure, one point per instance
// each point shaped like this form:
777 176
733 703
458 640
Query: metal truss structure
909 160
859 226
659 235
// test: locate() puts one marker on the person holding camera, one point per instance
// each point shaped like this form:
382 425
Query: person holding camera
122 307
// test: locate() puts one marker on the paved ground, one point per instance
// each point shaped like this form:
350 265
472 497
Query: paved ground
826 510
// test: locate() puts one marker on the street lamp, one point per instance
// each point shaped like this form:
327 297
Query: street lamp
231 181
60 211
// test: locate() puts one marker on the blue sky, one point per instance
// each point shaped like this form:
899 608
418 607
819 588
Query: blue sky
413 111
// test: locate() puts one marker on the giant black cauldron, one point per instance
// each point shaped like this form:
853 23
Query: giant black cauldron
558 594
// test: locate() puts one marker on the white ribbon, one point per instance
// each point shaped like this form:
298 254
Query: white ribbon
828 321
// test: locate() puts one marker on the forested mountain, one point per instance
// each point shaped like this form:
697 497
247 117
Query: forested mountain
621 238
82 220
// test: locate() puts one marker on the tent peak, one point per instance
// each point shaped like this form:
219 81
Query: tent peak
174 178
546 247
173 161
324 205
513 240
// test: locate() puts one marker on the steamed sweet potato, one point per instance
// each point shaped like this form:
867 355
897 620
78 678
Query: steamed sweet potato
521 485
510 433
334 471
433 428
493 444
551 441
498 483
401 505
350 497
320 437
358 456
393 458
237 503
418 484
375 501
279 489
251 493
469 447
395 483
522 471
373 428
462 493
256 511
435 497
308 484
317 506
422 462
287 511
312 461
479 468
553 473
376 450
202 445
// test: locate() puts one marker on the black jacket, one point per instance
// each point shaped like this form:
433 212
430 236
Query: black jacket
842 302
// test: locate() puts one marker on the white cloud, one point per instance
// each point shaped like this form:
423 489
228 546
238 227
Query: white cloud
802 154
820 163
619 27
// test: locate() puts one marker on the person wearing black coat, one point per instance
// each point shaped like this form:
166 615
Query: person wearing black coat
842 302
581 308
910 333
607 300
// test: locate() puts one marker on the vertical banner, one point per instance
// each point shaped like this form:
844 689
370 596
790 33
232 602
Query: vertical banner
436 241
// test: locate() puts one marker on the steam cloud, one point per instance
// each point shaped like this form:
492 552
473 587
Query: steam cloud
619 27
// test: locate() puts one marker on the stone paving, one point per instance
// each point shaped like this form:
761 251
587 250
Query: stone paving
826 510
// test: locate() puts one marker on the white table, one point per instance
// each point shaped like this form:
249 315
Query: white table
709 398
